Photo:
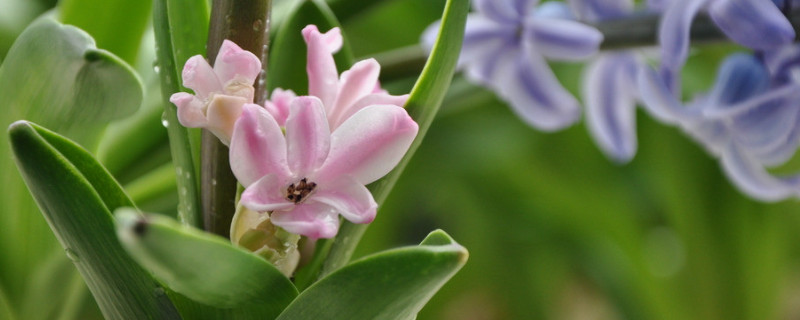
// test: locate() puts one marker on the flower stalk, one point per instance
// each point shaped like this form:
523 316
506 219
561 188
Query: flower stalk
246 23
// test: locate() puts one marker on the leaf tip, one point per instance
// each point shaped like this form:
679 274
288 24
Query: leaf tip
130 224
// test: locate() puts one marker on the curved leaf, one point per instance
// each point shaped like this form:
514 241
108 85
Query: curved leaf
204 267
76 195
55 76
287 64
394 284
117 25
422 105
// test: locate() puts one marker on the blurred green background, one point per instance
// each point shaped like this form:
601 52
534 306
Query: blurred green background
554 229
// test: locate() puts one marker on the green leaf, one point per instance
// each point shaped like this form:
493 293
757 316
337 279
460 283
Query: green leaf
204 267
183 16
117 25
76 195
394 284
6 311
53 75
287 64
422 105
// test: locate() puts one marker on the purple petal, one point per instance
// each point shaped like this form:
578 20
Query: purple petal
257 147
266 194
673 34
559 39
368 144
222 113
350 198
534 93
740 77
611 106
752 179
323 78
355 83
235 64
768 125
311 219
757 24
307 135
660 101
503 11
782 152
482 37
199 76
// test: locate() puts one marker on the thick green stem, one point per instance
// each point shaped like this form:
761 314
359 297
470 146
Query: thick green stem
246 23
188 203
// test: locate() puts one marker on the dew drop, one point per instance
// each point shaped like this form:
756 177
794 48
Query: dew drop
257 25
164 121
72 255
156 69
213 182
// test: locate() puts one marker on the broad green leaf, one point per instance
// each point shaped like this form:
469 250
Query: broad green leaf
394 284
50 281
117 25
422 105
53 75
6 311
127 142
76 195
287 64
204 267
183 16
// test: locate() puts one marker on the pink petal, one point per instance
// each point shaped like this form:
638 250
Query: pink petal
350 198
222 113
266 194
233 63
278 105
200 77
368 144
368 100
307 135
323 78
257 147
191 111
311 219
355 83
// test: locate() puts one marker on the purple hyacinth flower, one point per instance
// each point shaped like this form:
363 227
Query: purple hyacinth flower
609 85
757 24
745 120
505 46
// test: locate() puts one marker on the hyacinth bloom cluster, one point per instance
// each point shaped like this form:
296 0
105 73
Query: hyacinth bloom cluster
609 85
220 91
505 46
312 174
303 160
756 24
747 120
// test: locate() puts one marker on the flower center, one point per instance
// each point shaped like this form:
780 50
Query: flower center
297 192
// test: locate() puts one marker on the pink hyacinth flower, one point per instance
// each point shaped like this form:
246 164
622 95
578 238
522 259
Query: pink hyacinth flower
343 96
310 175
220 92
